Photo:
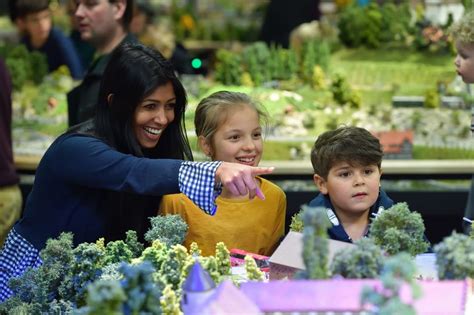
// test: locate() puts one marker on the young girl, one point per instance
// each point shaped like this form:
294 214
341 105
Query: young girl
105 177
228 129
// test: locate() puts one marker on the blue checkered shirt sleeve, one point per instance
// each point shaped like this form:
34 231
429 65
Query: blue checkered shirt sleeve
197 182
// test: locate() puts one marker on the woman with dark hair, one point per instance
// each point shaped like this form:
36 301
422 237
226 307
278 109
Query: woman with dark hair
107 175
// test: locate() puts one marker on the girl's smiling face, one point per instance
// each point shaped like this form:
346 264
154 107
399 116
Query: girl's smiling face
153 115
238 139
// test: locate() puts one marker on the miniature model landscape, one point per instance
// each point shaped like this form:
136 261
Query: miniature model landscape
396 75
375 275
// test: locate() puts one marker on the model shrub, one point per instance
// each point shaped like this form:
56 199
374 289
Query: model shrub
364 260
398 229
315 243
455 257
170 229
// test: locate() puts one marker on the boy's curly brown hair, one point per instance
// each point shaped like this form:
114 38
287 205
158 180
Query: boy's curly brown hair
354 145
463 30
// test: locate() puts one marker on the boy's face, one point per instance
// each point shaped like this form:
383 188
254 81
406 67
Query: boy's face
464 61
37 26
351 189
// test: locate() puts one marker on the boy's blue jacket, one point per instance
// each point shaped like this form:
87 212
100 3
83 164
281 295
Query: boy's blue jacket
337 232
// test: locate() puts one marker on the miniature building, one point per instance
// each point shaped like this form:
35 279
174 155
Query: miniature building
197 288
343 296
396 144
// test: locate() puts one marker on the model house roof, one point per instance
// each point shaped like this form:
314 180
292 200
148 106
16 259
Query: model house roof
392 141
198 279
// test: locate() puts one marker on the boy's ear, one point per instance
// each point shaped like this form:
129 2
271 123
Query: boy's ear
320 183
205 146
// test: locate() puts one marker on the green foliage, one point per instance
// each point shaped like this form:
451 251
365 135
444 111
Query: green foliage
256 58
455 257
432 99
228 69
172 269
141 291
104 297
253 272
133 244
157 253
169 302
223 259
194 249
343 93
85 269
397 270
117 251
398 229
170 229
296 224
315 243
365 260
313 53
23 65
39 287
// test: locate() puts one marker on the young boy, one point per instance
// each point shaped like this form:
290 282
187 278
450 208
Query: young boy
34 21
463 34
347 169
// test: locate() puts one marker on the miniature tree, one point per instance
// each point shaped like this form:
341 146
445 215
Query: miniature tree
228 69
365 260
141 291
454 257
157 253
104 297
39 287
194 249
223 259
296 224
210 264
117 251
398 229
85 269
171 271
315 243
253 272
169 302
170 229
133 244
397 270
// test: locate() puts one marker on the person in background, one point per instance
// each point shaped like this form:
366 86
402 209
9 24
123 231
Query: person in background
347 170
104 24
84 49
106 176
463 34
148 32
283 16
228 127
34 22
10 194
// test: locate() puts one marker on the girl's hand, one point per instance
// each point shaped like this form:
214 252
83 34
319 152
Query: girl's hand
240 179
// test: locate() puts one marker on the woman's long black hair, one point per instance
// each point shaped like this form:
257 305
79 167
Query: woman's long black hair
133 73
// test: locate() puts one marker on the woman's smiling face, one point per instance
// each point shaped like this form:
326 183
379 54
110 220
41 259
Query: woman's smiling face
153 115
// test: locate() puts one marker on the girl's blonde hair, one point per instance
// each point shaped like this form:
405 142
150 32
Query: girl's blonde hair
214 110
463 30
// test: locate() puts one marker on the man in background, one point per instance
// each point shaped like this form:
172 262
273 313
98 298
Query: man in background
104 24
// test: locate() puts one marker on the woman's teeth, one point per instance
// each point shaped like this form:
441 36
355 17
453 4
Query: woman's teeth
153 131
